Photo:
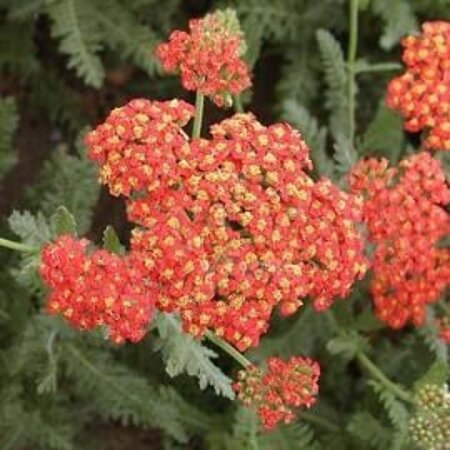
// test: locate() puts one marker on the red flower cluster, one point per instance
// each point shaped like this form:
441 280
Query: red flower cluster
422 93
405 219
232 226
279 388
97 289
137 143
209 56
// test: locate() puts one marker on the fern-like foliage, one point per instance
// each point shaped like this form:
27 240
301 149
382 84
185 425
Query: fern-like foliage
8 126
395 409
117 392
76 29
398 18
289 437
68 180
17 49
182 353
384 134
34 231
336 80
368 431
315 135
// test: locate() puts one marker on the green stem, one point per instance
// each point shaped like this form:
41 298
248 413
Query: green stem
237 102
226 347
199 105
382 378
379 67
319 421
18 246
351 58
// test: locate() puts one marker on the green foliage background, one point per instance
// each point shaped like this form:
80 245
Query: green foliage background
64 64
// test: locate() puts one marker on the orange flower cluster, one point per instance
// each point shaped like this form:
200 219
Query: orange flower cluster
97 289
422 93
404 214
279 388
232 226
208 58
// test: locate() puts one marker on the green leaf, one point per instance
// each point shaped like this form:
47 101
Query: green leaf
33 230
345 155
73 25
63 222
384 134
395 409
398 18
346 345
314 135
289 437
336 78
8 125
111 241
245 430
116 392
69 180
368 430
182 353
438 373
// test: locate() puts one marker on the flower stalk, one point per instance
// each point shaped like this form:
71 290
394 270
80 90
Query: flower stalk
227 348
376 373
351 60
17 246
198 119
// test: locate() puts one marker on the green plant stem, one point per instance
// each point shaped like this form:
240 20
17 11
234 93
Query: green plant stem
351 58
199 106
237 102
382 378
319 421
226 347
378 67
18 246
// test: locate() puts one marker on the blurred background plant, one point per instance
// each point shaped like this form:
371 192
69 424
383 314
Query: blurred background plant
63 65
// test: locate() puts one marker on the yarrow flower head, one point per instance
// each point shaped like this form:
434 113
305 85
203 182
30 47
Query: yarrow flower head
405 218
232 226
278 388
430 425
422 93
208 57
98 288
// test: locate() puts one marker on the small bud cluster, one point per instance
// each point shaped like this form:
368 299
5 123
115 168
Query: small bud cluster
97 289
422 93
405 219
430 426
208 58
279 388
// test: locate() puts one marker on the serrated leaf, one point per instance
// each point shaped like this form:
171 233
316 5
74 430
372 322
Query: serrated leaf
73 25
182 353
346 345
398 18
8 125
314 135
438 373
63 222
384 134
111 241
336 78
345 155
